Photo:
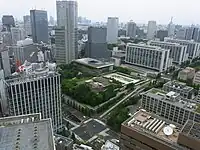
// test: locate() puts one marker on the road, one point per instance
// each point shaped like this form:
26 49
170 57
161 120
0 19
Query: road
133 93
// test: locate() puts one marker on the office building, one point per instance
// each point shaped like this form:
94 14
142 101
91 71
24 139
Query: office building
171 29
147 56
67 12
8 21
39 26
5 61
189 33
151 30
177 51
6 38
148 131
193 48
112 30
181 33
161 34
26 132
187 73
179 87
131 29
27 25
35 89
96 45
196 79
170 105
195 34
17 34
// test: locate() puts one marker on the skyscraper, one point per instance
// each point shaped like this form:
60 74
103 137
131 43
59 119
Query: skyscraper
131 29
151 31
112 30
17 34
39 26
8 21
67 12
27 25
171 28
97 46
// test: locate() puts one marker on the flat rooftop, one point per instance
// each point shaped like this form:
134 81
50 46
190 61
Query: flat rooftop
152 125
178 85
165 43
172 98
27 136
94 63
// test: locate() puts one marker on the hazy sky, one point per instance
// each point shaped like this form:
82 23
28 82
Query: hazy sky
140 11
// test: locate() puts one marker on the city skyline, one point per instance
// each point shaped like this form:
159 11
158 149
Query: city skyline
160 12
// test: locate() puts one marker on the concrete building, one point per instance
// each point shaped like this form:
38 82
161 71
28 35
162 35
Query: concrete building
151 30
189 33
193 48
195 34
27 25
196 79
17 34
8 21
179 87
112 30
131 29
5 61
187 73
151 57
161 34
35 89
148 131
171 29
67 16
26 132
97 45
63 143
181 33
39 26
177 51
170 105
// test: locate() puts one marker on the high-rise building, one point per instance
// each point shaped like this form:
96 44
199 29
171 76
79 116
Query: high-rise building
6 62
131 29
27 25
67 16
189 33
8 21
161 34
193 48
196 79
195 34
177 51
39 26
181 33
26 132
147 56
97 46
36 89
151 30
17 34
112 30
171 28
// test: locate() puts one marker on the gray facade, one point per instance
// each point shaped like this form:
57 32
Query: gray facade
6 63
39 26
8 21
97 46
36 93
131 29
161 34
67 16
27 25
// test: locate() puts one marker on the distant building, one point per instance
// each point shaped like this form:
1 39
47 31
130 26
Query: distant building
195 34
148 131
193 48
151 57
171 29
177 51
93 66
39 26
27 25
181 33
8 21
187 73
131 29
112 30
189 33
151 30
26 132
35 89
179 87
161 34
97 45
170 105
196 79
121 33
5 60
118 56
17 34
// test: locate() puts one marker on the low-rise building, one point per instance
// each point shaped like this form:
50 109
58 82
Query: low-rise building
179 87
196 79
187 73
93 66
110 145
63 143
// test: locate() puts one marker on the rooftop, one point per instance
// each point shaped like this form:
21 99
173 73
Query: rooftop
173 98
152 125
94 63
180 41
179 85
26 135
166 43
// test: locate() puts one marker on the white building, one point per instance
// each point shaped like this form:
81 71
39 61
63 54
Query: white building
67 12
177 51
196 79
112 30
151 30
17 34
171 29
151 57
193 48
